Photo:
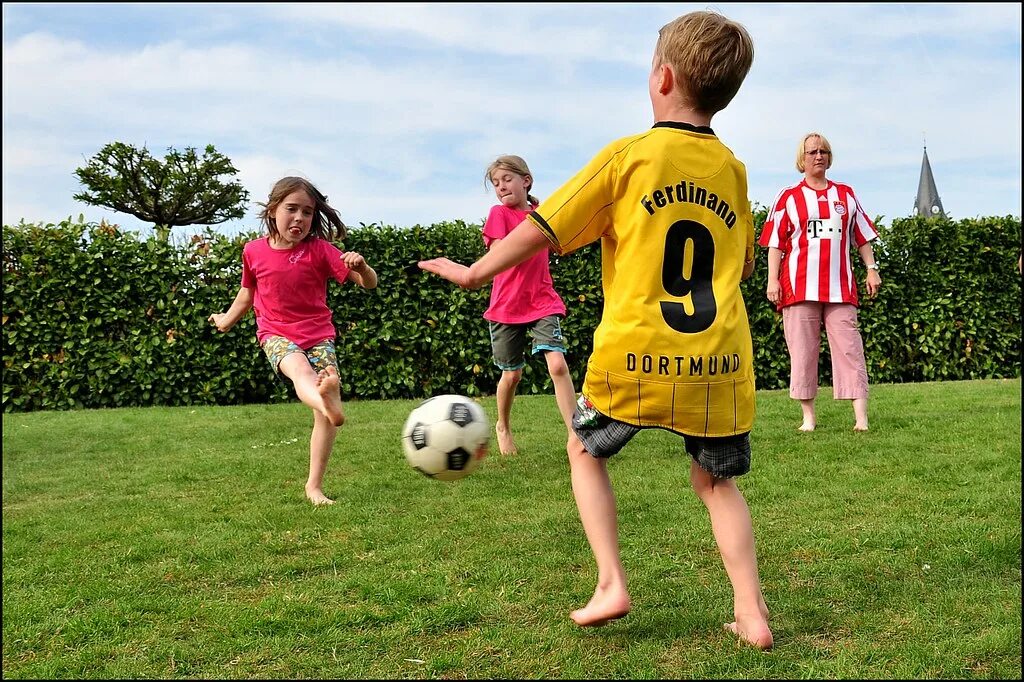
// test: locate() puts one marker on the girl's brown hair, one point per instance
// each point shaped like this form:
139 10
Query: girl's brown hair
326 221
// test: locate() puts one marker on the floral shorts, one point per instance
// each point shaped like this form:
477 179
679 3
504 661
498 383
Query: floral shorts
320 356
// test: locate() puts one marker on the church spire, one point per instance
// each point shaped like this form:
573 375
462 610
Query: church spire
928 203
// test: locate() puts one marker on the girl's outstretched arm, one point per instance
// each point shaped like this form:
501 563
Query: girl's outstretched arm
360 271
239 307
521 243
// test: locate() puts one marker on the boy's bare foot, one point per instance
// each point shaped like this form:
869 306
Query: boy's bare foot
753 630
317 497
807 426
506 444
606 605
860 427
329 386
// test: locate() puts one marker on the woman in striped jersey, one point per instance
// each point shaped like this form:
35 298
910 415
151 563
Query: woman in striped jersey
809 232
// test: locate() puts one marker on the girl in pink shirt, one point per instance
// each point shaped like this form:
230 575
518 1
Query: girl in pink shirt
284 279
523 299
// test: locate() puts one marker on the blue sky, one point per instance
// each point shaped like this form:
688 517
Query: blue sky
395 110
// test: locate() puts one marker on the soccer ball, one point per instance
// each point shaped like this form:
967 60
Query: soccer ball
444 436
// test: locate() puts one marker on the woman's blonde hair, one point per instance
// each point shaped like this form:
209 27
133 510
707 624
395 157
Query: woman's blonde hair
801 149
326 221
511 162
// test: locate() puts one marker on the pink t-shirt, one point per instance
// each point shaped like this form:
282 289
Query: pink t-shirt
525 292
290 289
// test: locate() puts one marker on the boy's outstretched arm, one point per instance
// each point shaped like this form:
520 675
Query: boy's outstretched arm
521 243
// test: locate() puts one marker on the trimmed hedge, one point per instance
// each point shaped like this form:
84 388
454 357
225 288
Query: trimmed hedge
97 317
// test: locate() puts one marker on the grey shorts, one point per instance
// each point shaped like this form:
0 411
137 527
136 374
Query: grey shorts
508 341
602 436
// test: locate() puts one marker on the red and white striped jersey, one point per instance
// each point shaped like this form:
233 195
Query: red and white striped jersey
814 229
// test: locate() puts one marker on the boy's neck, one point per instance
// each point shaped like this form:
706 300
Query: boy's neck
681 114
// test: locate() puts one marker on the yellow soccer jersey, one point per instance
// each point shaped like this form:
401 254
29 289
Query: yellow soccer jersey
673 347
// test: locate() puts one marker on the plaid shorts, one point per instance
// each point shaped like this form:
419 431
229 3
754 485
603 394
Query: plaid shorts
602 436
320 356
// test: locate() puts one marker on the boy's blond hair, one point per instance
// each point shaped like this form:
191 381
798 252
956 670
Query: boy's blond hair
709 55
802 149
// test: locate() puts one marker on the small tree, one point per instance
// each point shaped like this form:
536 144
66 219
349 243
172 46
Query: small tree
184 189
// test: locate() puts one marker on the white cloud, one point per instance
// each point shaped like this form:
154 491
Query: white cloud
395 110
569 32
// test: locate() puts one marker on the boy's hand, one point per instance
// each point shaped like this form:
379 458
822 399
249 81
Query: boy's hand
449 270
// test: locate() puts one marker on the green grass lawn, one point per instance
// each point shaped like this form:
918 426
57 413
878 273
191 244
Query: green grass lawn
176 542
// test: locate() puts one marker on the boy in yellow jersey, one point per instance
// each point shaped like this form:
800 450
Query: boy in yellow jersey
673 349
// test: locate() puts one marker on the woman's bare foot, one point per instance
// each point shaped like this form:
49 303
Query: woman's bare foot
317 497
329 386
606 605
506 444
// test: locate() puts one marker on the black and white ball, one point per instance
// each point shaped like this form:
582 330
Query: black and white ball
446 436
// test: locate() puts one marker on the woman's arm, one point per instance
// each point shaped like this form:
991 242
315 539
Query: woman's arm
773 292
873 280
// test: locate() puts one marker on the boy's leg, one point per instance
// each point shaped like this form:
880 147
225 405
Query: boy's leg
849 368
801 324
321 443
734 534
596 504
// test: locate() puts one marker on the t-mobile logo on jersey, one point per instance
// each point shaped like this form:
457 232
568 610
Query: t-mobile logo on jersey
824 228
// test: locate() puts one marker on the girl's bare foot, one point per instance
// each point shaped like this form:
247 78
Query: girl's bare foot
506 444
860 427
807 426
753 630
606 605
317 497
329 386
